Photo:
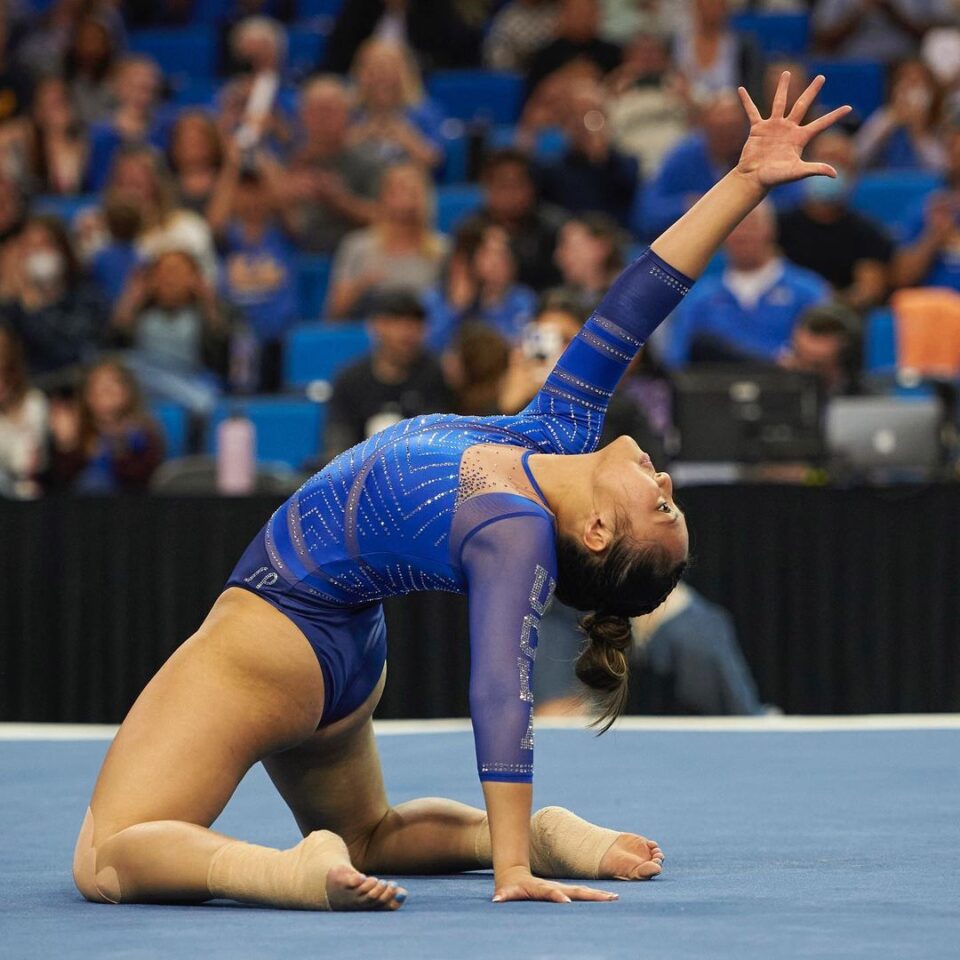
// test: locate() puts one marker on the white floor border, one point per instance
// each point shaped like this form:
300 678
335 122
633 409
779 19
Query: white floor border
771 724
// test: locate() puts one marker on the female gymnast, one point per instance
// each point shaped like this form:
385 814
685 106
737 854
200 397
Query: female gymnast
288 666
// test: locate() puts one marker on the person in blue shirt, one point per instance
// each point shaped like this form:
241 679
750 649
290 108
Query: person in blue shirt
748 311
289 664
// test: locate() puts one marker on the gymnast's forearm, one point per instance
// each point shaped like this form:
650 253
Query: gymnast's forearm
508 809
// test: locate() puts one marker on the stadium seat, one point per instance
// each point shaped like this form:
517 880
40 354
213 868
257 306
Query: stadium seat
191 51
455 202
173 422
550 143
313 278
892 197
307 9
493 96
66 208
305 51
317 351
194 91
288 430
880 342
777 33
210 11
860 83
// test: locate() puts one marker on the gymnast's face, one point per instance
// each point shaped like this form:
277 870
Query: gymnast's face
627 489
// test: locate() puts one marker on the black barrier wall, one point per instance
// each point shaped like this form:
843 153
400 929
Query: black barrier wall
846 600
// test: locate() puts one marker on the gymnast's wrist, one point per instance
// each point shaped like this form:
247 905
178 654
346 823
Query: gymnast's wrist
512 873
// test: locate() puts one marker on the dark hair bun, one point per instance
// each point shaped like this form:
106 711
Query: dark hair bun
604 664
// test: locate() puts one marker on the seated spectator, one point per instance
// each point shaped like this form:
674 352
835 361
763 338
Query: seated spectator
825 235
623 20
647 110
113 253
713 58
59 317
195 156
886 30
510 201
87 66
401 247
434 29
398 379
903 134
104 441
258 274
480 287
392 113
517 31
592 175
475 369
749 311
135 120
547 108
577 38
330 185
23 422
930 255
47 150
590 255
696 163
826 341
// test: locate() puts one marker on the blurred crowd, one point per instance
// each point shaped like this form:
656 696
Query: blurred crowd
156 237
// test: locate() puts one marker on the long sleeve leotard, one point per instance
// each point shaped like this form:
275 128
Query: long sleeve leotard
394 515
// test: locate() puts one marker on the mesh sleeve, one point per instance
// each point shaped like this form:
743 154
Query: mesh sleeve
510 565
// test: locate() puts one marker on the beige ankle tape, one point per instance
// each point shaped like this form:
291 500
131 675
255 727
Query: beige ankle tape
295 879
565 845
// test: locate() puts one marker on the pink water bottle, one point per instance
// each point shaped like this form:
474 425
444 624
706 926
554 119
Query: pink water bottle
236 455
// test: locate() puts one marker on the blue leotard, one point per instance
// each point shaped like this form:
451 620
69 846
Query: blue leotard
393 515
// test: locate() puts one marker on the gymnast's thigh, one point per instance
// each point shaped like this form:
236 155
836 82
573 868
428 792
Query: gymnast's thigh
245 684
333 781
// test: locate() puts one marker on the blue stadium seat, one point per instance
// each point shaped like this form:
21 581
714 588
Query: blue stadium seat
880 342
776 33
317 351
456 148
550 144
860 83
288 430
173 422
455 202
313 278
892 197
305 52
496 97
191 51
66 208
194 91
318 8
210 11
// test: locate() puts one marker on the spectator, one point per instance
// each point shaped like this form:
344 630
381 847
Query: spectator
713 58
589 255
625 19
748 312
825 235
592 174
89 60
547 107
511 202
826 341
518 30
259 278
930 256
648 110
393 115
23 422
195 157
480 287
114 255
398 379
886 30
577 38
12 214
401 247
696 163
433 29
135 119
47 150
103 442
178 330
14 80
258 45
903 134
58 316
478 362
330 186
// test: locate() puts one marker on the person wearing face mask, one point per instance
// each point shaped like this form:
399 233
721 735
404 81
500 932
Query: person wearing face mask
902 134
825 235
44 299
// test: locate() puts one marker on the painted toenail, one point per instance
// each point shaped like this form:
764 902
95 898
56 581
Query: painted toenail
400 897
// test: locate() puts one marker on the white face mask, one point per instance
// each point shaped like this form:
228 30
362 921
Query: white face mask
44 266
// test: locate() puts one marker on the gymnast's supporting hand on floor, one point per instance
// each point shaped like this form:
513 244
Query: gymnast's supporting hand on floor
290 663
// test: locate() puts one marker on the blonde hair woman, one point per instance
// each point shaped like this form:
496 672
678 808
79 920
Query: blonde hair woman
400 249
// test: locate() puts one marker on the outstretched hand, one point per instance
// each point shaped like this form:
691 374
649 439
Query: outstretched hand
774 147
